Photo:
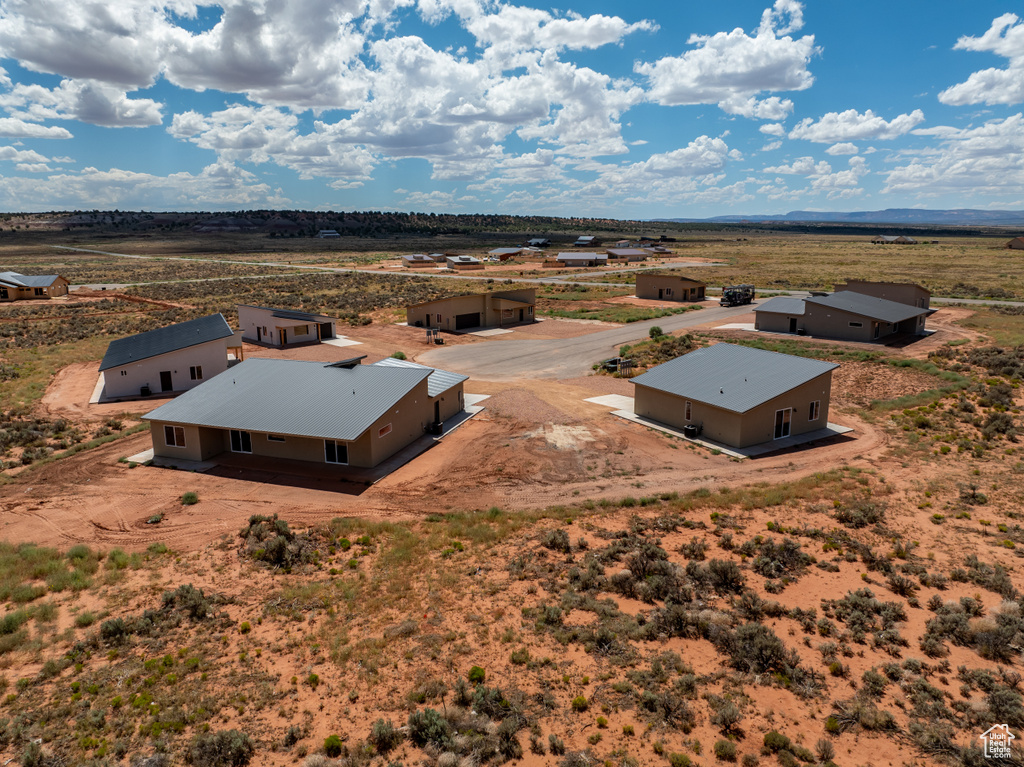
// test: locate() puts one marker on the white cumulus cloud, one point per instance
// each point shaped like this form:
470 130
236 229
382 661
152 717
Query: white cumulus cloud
851 125
993 86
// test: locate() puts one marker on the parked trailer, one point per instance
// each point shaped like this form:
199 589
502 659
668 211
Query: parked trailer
737 295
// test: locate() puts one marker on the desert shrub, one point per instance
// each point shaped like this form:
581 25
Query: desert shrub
189 600
556 745
579 703
776 560
429 726
676 759
655 332
775 741
225 748
476 675
385 736
190 498
727 716
114 631
332 746
860 513
557 540
725 750
726 576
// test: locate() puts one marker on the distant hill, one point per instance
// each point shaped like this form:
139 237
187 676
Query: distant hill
958 217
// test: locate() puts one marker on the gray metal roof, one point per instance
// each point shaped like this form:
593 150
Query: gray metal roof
293 398
463 259
782 305
28 280
868 306
583 256
152 343
627 252
438 382
501 251
736 378
290 314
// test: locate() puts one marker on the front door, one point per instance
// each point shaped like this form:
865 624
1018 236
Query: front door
241 441
792 324
661 293
165 381
521 314
782 421
284 337
259 334
437 411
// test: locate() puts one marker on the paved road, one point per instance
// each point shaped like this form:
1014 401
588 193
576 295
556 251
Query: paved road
501 360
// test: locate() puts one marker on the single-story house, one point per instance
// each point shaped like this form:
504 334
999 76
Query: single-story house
737 395
626 254
171 359
474 310
586 241
283 327
505 254
901 292
847 316
328 234
1017 243
579 259
463 263
658 250
418 261
669 287
538 242
340 414
15 286
889 239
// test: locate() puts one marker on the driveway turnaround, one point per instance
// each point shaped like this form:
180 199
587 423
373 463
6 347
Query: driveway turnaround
560 357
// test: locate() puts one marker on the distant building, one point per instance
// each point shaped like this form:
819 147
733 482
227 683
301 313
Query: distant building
846 315
418 261
16 287
887 239
474 310
1017 243
625 255
283 327
586 241
580 259
463 263
539 242
328 234
664 286
505 254
737 395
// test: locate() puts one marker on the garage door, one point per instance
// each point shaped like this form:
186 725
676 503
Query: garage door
463 321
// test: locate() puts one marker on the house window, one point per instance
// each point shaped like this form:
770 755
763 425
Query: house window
301 330
815 412
668 292
335 452
196 372
40 291
438 319
4 293
124 372
174 436
384 431
275 438
856 324
529 311
241 441
687 410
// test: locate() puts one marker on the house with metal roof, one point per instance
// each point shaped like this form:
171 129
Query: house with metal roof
505 254
340 414
444 388
737 395
578 259
586 241
16 287
463 263
538 242
846 315
418 261
1017 243
328 234
283 327
893 239
626 254
168 360
493 309
669 286
909 293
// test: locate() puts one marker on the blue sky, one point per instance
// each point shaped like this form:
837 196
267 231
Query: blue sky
658 109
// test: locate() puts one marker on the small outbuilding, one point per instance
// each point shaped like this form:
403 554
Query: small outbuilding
328 234
586 241
335 415
474 310
1017 243
283 327
505 254
168 360
666 286
17 287
463 263
847 316
737 395
908 293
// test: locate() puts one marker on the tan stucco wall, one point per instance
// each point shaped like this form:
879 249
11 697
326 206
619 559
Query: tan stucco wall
486 304
900 292
647 286
775 323
212 356
739 429
251 317
58 288
451 402
828 322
